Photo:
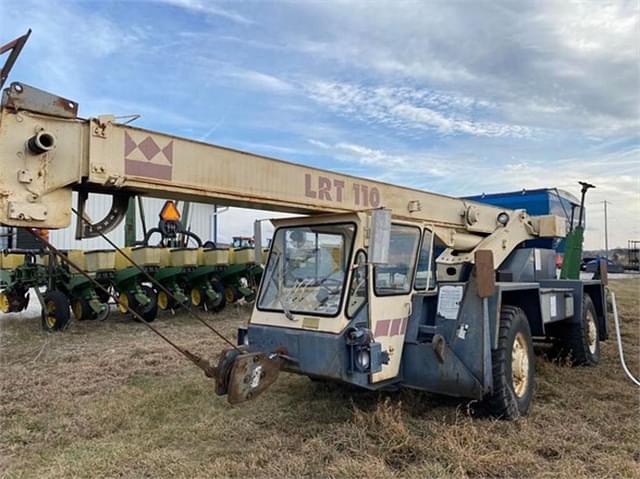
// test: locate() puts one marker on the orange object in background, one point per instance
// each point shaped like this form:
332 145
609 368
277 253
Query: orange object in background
170 212
42 233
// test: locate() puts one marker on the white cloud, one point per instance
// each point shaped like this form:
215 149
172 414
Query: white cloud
405 108
544 64
208 7
258 80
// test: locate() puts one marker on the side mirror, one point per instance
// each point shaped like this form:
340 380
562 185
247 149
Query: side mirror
380 238
257 241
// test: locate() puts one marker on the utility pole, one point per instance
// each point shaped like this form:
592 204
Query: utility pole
606 231
215 225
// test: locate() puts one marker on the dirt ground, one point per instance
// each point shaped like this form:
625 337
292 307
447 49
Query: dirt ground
111 400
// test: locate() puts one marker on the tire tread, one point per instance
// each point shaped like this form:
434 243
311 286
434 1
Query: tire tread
502 403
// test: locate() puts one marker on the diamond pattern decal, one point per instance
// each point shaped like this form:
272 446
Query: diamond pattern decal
147 156
149 148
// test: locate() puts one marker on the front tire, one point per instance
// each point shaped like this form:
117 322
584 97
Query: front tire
513 366
55 314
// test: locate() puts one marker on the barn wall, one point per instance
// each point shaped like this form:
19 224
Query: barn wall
231 222
98 206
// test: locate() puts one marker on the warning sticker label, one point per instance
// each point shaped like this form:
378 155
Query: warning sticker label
449 301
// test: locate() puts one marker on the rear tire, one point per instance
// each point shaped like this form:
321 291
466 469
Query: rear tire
219 304
104 314
126 301
513 366
55 314
82 310
165 302
149 312
196 296
232 294
13 301
581 340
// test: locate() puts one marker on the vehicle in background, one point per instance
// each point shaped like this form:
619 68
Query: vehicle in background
585 260
591 266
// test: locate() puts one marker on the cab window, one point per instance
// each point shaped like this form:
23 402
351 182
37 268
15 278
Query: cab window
358 288
307 269
396 277
425 272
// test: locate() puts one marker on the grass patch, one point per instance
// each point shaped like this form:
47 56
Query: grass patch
110 400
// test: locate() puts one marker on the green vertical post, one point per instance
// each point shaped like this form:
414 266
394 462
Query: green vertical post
130 224
572 254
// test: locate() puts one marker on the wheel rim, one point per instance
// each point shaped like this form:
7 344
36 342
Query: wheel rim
520 365
51 315
592 333
163 300
229 295
77 309
4 303
123 303
196 297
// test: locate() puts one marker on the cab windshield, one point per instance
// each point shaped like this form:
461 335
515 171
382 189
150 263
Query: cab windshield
307 269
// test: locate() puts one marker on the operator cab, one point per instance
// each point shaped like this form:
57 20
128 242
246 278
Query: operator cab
316 299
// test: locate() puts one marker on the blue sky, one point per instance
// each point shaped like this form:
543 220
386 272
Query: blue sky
454 97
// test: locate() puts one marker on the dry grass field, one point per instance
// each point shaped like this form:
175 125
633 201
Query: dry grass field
111 400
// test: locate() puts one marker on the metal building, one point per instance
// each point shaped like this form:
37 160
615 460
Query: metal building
231 222
200 222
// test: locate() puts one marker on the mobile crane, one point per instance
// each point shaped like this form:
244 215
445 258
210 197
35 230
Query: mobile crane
378 286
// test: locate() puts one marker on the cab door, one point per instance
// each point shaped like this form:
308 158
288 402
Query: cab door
390 292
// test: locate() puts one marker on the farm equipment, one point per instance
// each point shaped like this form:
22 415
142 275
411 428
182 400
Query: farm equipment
130 281
378 286
157 277
79 291
209 277
22 271
241 277
19 272
205 287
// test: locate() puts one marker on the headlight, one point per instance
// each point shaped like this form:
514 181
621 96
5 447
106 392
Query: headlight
363 359
243 337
